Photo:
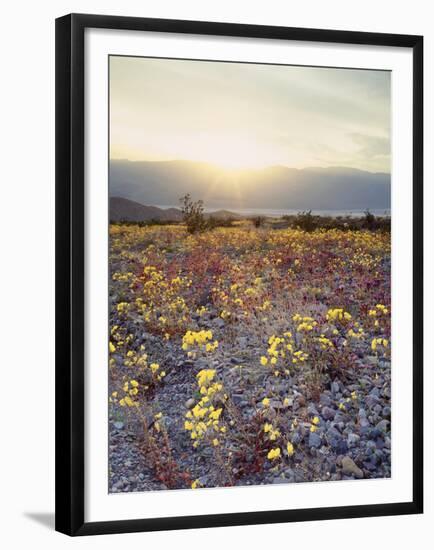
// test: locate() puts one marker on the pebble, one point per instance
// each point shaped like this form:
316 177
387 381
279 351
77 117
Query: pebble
237 398
314 440
335 387
353 440
325 399
349 467
328 413
296 438
386 412
383 425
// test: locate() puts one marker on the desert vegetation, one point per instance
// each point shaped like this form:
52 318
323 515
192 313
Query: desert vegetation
248 352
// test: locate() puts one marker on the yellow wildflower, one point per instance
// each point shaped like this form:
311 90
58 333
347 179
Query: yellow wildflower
290 448
273 454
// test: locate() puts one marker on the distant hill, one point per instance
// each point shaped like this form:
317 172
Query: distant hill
126 210
223 215
132 211
273 187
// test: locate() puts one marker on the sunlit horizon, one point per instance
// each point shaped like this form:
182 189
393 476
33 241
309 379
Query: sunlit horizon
237 168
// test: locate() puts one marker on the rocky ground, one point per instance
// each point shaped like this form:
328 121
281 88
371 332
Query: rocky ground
353 443
341 430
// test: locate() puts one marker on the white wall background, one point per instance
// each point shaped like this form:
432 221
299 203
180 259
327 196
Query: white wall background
27 270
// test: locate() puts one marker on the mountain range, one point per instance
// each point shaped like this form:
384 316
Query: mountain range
164 182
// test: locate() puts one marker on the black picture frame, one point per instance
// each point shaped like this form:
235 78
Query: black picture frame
70 238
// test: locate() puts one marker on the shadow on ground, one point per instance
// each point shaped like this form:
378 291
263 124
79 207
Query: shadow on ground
45 519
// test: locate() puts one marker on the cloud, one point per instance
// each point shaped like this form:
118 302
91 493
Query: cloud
371 146
373 150
164 109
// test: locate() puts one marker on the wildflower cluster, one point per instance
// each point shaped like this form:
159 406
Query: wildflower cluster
128 398
272 433
281 354
338 314
162 302
304 324
202 340
149 372
378 343
204 420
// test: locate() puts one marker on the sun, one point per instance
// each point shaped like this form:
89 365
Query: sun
231 152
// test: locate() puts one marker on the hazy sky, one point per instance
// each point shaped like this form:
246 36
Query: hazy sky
242 115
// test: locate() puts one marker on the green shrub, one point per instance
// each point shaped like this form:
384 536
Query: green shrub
192 214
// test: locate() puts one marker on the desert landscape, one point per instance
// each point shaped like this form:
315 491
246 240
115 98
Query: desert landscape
251 352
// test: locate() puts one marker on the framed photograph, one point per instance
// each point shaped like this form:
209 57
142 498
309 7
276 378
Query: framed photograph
238 274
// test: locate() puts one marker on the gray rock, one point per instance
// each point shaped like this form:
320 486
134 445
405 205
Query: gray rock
333 432
379 443
370 447
383 425
325 399
377 409
328 413
312 410
340 417
353 440
339 445
299 476
190 403
375 392
386 412
386 392
296 438
349 467
119 425
375 433
237 398
364 422
314 440
219 322
279 481
335 387
370 464
372 400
